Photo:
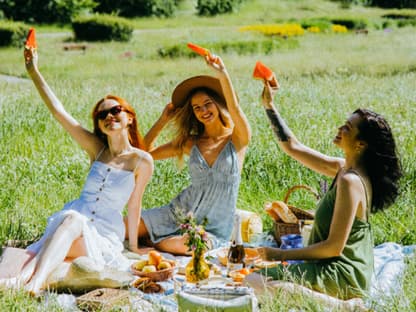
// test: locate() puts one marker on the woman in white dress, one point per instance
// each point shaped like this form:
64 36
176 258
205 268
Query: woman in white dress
92 225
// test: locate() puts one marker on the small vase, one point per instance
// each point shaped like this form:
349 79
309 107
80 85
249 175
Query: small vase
197 269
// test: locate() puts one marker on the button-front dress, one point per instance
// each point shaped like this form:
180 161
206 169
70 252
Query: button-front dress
100 205
212 194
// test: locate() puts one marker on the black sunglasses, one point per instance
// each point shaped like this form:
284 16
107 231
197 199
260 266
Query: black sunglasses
115 110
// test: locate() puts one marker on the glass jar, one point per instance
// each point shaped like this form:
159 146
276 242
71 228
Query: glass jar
197 269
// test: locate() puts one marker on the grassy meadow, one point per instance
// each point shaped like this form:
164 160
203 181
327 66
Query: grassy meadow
323 79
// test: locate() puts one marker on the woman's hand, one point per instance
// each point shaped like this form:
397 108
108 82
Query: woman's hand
267 95
269 253
140 251
168 112
215 62
31 59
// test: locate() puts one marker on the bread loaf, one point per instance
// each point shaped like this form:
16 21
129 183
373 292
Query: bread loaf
268 207
284 213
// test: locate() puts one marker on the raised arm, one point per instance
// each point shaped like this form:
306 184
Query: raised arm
86 139
241 133
151 136
287 141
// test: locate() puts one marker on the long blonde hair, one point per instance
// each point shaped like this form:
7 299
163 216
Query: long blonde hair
188 127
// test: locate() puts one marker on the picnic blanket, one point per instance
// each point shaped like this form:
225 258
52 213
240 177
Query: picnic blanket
389 264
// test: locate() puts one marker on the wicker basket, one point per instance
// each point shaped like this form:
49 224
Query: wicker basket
281 228
156 276
103 299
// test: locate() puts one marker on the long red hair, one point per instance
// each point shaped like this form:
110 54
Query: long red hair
135 137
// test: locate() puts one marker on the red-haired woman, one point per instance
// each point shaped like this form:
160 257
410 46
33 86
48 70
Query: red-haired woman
92 225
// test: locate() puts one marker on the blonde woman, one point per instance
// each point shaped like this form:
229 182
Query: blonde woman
212 129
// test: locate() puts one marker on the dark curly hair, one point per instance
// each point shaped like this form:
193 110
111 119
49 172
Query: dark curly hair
380 158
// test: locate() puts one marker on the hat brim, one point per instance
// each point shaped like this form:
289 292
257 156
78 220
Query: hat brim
182 90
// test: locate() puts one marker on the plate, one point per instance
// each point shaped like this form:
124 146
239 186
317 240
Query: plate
263 264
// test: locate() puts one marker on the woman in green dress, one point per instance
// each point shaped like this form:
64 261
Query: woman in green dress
339 255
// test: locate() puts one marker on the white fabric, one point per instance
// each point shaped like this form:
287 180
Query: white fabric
99 209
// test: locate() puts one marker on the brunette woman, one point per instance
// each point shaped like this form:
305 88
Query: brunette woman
339 255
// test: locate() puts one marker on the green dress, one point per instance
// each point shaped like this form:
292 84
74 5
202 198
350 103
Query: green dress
346 276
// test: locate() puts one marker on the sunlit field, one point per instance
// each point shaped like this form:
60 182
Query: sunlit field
323 79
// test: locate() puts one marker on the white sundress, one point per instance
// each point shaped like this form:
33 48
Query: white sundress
100 205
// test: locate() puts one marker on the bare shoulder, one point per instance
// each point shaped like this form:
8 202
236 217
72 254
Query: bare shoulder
350 181
142 160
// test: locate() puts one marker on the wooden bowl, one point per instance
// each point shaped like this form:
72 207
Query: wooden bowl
156 276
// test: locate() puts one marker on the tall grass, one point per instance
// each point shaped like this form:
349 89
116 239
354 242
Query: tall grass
323 81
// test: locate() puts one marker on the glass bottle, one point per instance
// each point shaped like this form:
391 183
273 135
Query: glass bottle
236 253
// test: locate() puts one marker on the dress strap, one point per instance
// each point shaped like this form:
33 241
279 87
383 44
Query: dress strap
99 153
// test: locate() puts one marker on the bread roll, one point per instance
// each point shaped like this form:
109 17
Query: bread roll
284 213
269 210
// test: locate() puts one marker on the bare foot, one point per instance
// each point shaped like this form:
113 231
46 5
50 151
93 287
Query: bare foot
33 288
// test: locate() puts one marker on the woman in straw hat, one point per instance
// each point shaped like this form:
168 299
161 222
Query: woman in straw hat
212 129
339 255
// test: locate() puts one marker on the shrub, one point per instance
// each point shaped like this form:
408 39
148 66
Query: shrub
215 7
322 23
406 22
132 8
102 28
400 4
350 23
238 47
45 11
12 33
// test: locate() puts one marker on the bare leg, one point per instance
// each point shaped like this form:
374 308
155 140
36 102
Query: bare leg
174 245
142 229
262 287
54 252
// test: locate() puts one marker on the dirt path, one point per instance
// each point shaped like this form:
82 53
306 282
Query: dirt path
13 79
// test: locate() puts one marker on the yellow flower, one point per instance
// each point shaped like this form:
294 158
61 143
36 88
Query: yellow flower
284 30
314 29
339 28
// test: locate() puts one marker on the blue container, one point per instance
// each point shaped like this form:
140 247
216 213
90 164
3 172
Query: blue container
290 241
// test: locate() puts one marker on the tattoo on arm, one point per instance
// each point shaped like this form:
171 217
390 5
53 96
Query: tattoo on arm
278 125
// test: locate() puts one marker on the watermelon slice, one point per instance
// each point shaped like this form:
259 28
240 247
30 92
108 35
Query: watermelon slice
200 50
31 39
261 71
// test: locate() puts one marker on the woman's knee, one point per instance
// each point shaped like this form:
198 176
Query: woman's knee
72 223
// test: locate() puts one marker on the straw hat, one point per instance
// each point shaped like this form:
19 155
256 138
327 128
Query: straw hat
182 90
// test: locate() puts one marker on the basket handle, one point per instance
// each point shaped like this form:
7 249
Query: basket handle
297 187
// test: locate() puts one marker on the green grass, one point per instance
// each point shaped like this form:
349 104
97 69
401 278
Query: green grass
323 80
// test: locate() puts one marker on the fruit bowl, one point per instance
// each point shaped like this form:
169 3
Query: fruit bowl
158 275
